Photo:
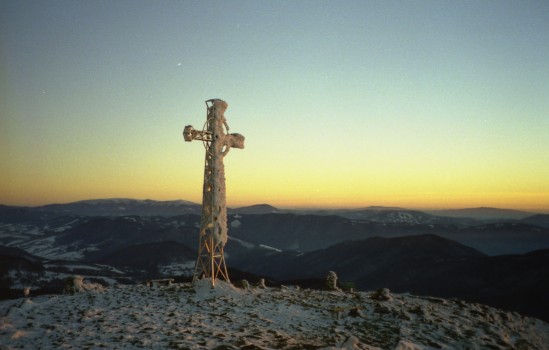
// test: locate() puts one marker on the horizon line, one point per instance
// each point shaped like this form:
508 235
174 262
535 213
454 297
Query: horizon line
296 207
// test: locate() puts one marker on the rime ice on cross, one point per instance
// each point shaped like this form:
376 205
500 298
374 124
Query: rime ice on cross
213 225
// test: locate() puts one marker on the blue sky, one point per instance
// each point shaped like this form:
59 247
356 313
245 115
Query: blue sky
350 103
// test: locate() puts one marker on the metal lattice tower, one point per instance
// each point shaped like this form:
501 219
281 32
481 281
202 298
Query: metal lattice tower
213 226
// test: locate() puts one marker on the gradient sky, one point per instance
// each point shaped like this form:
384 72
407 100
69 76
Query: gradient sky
421 104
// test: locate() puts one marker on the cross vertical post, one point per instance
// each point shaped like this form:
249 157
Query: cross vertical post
213 224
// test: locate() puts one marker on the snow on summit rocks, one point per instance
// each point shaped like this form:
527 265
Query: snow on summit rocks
182 316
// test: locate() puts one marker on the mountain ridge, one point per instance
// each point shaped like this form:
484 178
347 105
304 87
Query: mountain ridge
177 207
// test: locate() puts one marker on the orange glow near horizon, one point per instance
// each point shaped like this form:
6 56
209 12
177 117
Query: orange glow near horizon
281 195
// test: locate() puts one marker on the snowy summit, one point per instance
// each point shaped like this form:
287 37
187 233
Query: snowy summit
182 316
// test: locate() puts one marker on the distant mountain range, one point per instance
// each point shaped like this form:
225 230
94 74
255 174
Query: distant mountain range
483 213
123 207
255 209
127 241
466 214
147 207
33 228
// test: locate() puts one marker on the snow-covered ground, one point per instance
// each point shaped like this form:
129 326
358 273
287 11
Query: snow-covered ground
37 280
185 317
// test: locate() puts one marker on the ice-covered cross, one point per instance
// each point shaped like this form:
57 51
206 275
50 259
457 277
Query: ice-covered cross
213 225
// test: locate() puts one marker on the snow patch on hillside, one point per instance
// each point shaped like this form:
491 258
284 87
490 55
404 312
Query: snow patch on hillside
270 248
12 235
174 269
400 217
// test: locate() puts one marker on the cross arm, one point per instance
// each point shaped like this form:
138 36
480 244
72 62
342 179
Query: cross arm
189 134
